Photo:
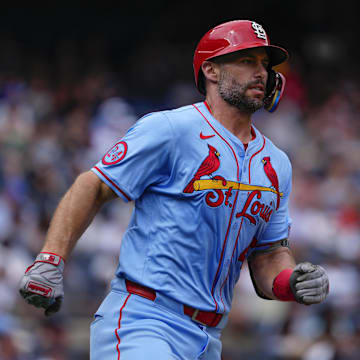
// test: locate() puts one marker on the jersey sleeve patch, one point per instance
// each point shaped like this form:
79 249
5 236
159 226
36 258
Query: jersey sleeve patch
115 154
140 160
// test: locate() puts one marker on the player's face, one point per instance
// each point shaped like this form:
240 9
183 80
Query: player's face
242 79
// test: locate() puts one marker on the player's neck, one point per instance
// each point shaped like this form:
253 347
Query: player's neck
231 118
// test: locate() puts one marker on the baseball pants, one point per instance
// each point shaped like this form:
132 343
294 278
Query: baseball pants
131 327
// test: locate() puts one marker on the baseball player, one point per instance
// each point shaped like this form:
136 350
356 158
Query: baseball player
210 192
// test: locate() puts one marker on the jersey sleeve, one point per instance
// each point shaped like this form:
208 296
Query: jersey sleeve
140 159
280 222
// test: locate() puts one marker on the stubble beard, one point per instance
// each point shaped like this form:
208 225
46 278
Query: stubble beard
233 93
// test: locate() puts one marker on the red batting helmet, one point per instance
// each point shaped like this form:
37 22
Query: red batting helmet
230 37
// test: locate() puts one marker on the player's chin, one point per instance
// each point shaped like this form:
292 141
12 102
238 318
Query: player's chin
257 102
257 105
257 95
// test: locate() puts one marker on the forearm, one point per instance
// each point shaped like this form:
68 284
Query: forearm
265 267
74 213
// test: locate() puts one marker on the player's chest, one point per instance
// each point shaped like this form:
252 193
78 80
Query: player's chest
226 181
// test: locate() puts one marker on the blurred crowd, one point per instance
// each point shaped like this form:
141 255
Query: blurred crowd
58 118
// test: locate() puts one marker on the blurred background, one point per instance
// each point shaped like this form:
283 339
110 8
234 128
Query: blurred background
72 80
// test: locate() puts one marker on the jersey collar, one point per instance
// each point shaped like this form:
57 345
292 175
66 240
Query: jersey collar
257 138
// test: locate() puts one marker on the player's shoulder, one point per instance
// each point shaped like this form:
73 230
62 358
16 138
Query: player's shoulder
276 150
181 120
182 116
183 113
151 122
277 154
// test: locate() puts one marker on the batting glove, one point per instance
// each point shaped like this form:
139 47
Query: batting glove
309 283
42 284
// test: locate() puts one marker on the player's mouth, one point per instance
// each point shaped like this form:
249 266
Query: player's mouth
257 89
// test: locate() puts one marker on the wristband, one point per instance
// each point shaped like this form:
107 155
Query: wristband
281 286
50 258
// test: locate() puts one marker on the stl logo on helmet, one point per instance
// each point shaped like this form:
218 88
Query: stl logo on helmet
259 30
115 154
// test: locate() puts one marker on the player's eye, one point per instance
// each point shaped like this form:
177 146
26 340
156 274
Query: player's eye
247 60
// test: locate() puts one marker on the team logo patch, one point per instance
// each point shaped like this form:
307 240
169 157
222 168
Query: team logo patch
115 154
259 30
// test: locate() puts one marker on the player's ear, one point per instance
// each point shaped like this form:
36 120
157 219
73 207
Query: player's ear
211 71
274 90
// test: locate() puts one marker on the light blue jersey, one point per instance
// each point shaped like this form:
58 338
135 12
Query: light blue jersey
202 204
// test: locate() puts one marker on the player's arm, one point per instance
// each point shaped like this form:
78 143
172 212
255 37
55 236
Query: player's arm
276 276
42 284
265 266
75 212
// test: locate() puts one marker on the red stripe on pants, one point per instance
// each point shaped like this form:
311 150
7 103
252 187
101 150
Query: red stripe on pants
119 325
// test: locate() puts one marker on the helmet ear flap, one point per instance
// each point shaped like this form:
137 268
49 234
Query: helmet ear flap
274 90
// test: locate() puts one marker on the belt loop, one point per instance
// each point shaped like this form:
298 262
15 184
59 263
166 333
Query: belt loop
194 315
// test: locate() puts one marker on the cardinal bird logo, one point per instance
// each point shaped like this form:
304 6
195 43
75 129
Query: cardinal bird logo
207 167
272 176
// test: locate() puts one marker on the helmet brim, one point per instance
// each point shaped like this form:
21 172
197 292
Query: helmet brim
277 54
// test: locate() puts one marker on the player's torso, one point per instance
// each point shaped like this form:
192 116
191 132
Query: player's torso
205 217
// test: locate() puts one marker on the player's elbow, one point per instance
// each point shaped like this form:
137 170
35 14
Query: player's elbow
87 180
90 181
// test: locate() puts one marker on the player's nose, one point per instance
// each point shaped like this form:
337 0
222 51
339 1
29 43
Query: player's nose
261 71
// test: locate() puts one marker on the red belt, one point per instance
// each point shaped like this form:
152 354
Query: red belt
207 318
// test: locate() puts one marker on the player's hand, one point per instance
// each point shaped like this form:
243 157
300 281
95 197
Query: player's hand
42 284
309 283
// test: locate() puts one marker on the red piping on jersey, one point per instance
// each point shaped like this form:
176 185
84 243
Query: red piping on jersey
253 135
232 255
251 246
259 151
112 183
208 107
119 325
237 237
233 208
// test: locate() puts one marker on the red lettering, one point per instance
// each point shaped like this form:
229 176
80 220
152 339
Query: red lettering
257 207
266 213
219 198
228 194
213 200
216 197
263 212
252 220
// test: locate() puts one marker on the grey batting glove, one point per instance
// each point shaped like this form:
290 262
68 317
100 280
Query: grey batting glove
42 284
309 283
